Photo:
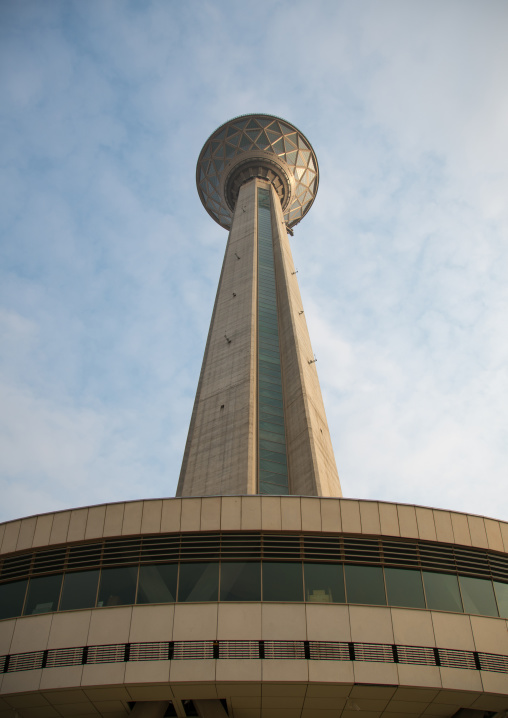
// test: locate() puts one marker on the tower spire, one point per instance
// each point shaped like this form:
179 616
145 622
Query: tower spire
258 425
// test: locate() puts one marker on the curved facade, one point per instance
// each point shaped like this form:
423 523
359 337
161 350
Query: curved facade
315 653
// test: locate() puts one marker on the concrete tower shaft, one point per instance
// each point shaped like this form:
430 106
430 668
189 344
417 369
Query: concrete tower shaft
258 423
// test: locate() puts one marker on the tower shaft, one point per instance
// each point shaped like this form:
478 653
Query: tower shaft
258 423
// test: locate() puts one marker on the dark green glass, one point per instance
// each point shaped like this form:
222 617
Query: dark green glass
273 489
364 584
404 588
271 445
117 586
478 596
43 594
273 467
272 437
12 597
442 591
79 590
324 582
157 583
501 590
240 581
198 582
282 581
272 456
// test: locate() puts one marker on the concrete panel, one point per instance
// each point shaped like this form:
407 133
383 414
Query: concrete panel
191 515
494 538
331 520
239 621
11 533
147 672
371 624
389 519
77 525
426 526
291 513
109 625
31 633
239 670
151 623
251 513
477 531
95 522
369 517
231 515
133 511
151 517
270 513
63 677
26 533
412 628
380 673
443 524
195 622
171 515
428 676
193 672
490 635
460 529
6 631
210 513
284 621
407 521
282 671
114 519
69 629
103 674
311 514
350 512
453 630
327 622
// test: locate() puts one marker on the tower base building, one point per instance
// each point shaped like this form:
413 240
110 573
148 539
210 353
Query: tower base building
258 592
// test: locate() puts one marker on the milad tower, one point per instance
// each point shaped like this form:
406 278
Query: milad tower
258 592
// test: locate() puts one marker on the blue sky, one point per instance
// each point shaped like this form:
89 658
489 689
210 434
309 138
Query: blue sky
109 264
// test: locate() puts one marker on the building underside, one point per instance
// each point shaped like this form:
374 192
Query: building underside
255 606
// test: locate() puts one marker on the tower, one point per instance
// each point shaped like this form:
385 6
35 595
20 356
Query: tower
258 424
257 592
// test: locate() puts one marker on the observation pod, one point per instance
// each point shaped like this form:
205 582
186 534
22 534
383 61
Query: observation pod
258 592
259 424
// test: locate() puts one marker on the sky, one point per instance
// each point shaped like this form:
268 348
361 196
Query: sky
109 264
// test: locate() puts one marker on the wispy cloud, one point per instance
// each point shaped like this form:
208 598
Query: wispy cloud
108 264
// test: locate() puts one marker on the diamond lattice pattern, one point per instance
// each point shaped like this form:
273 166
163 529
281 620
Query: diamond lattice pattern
267 134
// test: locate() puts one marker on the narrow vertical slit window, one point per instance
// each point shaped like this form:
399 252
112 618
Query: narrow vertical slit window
273 472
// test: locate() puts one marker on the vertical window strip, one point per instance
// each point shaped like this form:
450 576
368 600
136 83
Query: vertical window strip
269 373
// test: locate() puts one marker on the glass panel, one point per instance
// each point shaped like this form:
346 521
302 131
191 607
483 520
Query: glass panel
79 590
198 582
364 584
282 581
272 456
442 591
278 420
240 581
43 594
274 467
157 584
12 596
273 489
271 445
118 586
271 477
502 598
324 583
478 596
271 436
404 588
